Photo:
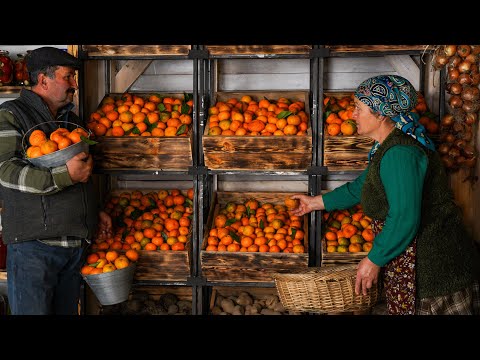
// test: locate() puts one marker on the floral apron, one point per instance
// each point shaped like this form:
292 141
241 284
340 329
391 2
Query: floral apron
399 278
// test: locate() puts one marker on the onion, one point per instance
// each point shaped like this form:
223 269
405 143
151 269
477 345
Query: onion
455 88
460 143
472 58
464 66
475 79
453 74
458 127
454 152
447 120
467 93
476 50
470 162
470 106
460 160
464 50
450 50
454 61
448 162
468 151
464 79
440 61
471 118
443 148
455 101
450 138
467 135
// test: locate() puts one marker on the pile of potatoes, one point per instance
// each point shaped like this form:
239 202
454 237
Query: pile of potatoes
145 304
246 304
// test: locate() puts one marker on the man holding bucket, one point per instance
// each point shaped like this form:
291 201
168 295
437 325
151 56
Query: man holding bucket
49 213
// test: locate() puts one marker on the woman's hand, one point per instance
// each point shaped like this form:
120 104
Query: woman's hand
307 204
367 275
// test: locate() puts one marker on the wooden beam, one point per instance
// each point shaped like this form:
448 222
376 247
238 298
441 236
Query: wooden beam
128 74
406 67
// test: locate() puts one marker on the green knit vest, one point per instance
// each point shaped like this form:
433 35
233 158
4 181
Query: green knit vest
444 249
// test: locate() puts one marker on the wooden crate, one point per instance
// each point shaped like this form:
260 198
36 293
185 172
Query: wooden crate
257 293
344 153
162 265
259 152
226 267
337 258
144 152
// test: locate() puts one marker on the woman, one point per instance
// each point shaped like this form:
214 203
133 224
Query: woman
421 244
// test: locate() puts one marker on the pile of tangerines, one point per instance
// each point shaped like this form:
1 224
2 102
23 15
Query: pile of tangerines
255 227
134 115
347 231
251 117
40 144
103 262
157 220
338 115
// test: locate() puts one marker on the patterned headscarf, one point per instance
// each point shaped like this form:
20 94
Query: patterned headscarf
395 97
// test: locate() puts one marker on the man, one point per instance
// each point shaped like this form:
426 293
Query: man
48 213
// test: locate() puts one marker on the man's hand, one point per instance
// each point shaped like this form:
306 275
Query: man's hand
104 226
80 167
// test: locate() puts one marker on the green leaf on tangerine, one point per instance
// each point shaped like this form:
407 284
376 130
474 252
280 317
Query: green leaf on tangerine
284 114
234 236
88 141
181 129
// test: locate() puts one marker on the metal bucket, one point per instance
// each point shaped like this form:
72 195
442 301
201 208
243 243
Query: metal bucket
59 157
112 287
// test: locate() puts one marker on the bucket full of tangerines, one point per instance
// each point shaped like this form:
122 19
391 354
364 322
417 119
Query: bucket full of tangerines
53 143
110 275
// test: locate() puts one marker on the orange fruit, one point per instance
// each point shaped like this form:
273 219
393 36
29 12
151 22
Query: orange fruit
37 138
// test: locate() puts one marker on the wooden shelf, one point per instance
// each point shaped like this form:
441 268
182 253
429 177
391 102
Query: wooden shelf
11 91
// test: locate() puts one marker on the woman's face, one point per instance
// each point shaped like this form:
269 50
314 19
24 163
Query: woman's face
367 122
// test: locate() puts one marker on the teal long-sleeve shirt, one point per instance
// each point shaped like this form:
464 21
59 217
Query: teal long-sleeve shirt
402 171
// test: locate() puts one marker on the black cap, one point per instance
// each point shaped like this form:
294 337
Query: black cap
50 56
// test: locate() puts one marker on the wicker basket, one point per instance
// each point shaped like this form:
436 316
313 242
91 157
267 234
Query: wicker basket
323 290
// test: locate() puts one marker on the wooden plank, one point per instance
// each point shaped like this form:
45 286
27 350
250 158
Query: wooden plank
154 292
173 153
368 48
258 49
360 64
263 66
349 80
128 74
406 67
230 82
3 275
346 152
163 265
467 196
164 83
135 50
224 266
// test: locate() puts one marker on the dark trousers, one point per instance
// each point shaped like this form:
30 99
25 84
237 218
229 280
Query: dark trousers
43 279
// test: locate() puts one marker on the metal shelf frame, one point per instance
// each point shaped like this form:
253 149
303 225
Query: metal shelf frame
204 78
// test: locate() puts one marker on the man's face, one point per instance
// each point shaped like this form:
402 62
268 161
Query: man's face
62 88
